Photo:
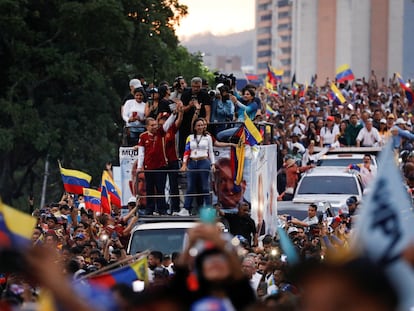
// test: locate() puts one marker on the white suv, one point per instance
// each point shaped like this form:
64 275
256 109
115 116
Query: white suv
164 236
332 184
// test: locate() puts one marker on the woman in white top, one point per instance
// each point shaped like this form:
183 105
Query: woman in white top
198 160
133 114
329 133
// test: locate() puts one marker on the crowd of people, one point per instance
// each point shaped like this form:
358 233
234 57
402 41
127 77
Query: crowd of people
216 271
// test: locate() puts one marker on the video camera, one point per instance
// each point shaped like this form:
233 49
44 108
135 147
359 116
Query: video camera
229 80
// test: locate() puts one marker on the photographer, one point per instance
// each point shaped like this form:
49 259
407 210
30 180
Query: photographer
222 107
179 85
190 98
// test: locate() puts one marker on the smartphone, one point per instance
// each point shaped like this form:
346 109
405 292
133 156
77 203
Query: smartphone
208 215
289 218
114 235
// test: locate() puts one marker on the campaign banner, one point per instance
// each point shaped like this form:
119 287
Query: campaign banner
263 190
258 186
128 161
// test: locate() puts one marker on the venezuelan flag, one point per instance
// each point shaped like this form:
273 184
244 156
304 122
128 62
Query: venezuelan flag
343 73
105 201
187 149
270 111
74 181
409 94
92 199
356 167
16 227
253 136
303 91
274 76
268 84
127 275
295 88
336 94
112 189
237 160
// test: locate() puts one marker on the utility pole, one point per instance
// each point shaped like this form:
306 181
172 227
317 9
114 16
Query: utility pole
46 173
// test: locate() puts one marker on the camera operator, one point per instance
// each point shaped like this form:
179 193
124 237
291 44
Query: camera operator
190 98
178 87
222 107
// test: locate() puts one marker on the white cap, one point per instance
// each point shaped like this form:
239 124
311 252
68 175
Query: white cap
300 147
292 229
132 200
400 121
135 83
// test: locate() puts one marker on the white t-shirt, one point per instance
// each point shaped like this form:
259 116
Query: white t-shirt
329 135
130 107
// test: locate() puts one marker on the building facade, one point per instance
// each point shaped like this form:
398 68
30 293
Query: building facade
320 35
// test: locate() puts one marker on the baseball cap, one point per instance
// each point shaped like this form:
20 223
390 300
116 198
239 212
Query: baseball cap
383 120
351 200
292 230
400 121
132 200
135 83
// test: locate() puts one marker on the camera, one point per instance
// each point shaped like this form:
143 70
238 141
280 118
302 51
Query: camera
229 80
212 93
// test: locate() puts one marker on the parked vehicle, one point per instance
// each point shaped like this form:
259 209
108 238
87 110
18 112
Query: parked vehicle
164 234
343 157
332 184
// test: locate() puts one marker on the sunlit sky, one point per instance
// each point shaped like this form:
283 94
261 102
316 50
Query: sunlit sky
216 16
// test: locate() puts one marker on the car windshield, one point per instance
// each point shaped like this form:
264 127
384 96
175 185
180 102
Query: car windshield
328 185
166 241
338 162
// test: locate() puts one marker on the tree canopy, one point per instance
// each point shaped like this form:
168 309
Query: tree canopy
65 67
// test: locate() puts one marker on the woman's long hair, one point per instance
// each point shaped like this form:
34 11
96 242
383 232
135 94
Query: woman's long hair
194 130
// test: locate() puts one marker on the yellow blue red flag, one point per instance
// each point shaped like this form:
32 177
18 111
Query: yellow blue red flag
16 227
112 189
343 73
74 181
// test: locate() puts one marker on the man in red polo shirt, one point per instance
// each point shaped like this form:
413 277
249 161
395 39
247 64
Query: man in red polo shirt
171 153
152 159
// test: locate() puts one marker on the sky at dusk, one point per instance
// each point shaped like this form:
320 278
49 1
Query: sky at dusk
219 17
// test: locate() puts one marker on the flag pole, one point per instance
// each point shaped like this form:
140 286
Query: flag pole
114 265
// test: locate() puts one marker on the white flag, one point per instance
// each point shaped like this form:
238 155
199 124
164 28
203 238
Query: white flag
385 226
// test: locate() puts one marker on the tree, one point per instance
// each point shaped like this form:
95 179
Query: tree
65 67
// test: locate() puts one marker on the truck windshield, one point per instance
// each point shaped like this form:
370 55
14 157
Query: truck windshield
166 241
328 185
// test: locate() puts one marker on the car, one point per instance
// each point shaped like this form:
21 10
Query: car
330 184
164 234
344 159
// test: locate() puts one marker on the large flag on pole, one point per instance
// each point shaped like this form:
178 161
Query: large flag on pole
112 189
74 181
385 226
343 73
